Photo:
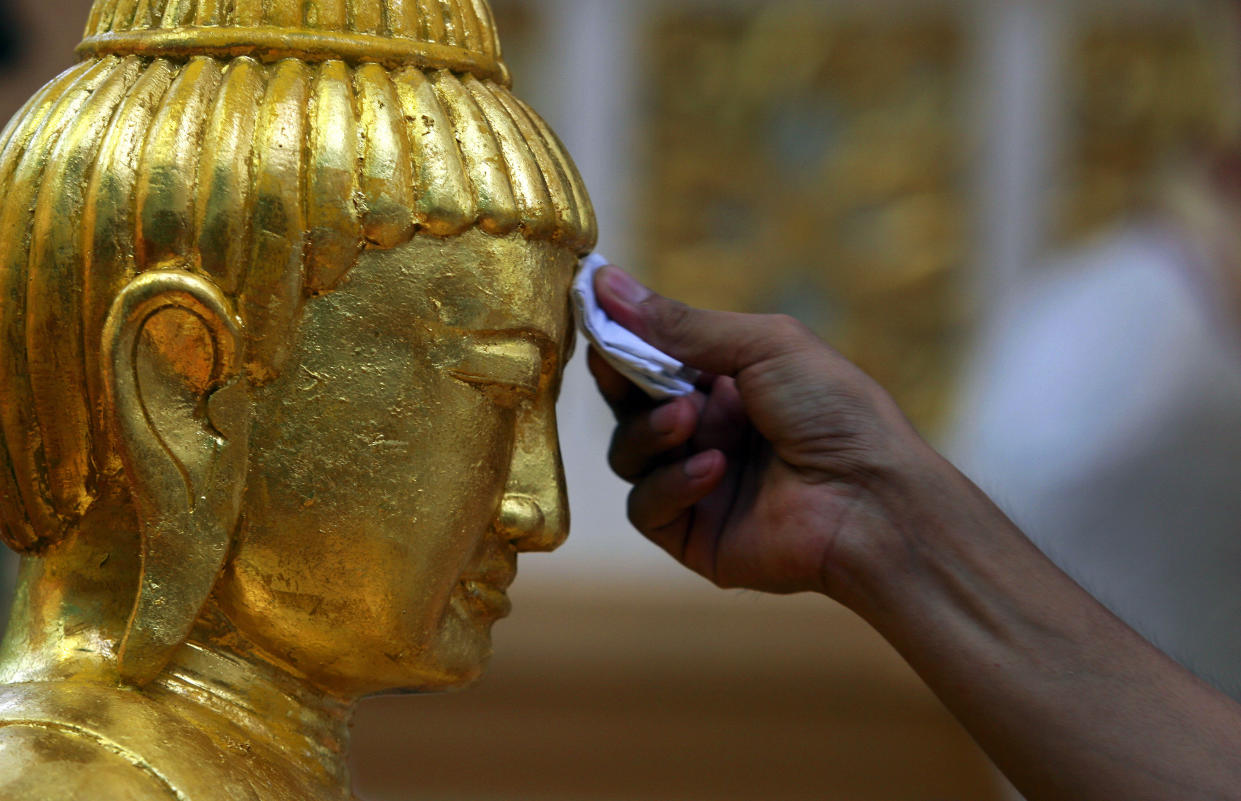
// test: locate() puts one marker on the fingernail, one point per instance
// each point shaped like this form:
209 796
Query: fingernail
664 419
624 287
700 465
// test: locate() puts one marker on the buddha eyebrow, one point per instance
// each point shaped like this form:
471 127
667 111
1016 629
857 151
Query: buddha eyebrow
515 357
525 346
533 338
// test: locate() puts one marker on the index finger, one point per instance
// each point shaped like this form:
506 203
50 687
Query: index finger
720 343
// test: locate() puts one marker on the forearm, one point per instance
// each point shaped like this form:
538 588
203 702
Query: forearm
828 488
1069 701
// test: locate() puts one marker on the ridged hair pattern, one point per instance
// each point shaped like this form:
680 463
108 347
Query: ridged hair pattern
125 164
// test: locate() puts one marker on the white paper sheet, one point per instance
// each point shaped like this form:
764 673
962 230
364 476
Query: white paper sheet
655 372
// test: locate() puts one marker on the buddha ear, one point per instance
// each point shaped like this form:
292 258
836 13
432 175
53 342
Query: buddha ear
172 356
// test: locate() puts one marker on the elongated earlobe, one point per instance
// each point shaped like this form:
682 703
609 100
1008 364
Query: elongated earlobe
172 355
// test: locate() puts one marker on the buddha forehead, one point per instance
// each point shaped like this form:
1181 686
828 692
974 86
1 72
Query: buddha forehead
474 281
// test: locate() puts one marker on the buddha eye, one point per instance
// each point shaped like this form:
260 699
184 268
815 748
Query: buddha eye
507 394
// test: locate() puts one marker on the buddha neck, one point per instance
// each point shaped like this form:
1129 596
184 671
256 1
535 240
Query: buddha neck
278 712
284 719
67 625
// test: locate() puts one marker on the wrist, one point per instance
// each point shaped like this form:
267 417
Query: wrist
911 514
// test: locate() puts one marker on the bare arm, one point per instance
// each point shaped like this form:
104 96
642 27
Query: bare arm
792 471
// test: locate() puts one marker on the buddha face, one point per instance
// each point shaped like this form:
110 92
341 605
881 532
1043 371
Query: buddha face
403 457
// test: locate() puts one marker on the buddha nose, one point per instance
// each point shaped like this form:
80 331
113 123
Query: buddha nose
534 514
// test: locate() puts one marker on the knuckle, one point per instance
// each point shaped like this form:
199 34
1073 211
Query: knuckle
672 318
785 327
614 461
777 335
619 455
635 509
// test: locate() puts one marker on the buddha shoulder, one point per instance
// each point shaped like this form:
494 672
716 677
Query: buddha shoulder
66 741
42 762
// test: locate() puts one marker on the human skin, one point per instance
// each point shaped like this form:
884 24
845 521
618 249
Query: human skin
792 471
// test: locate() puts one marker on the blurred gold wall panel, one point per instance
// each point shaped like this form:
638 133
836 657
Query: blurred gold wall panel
811 158
1146 93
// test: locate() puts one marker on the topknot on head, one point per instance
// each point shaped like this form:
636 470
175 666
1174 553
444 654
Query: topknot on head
457 35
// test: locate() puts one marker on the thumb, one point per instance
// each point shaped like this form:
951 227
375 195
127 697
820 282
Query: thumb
723 343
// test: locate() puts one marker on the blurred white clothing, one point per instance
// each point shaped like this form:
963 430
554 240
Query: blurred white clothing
1104 415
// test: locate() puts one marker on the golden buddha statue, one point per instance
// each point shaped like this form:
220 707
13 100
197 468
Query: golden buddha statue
283 311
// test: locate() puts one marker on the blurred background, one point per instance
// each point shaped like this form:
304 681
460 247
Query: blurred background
1017 215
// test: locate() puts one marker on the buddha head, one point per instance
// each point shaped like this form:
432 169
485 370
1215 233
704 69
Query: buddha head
284 309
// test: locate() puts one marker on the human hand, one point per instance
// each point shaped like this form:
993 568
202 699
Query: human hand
781 472
791 470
